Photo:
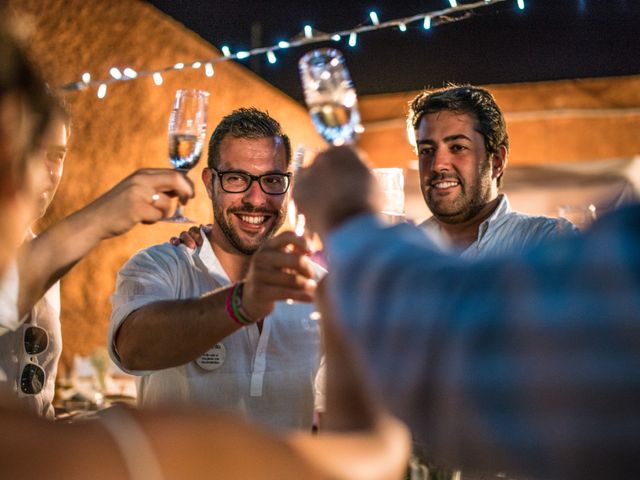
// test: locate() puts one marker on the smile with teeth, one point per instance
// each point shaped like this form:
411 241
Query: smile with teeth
253 219
445 184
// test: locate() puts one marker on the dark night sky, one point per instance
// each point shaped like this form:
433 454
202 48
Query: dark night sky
549 40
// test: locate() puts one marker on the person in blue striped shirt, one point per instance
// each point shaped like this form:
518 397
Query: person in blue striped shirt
524 363
462 146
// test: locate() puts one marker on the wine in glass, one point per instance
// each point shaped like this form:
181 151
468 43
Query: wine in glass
332 102
330 96
187 130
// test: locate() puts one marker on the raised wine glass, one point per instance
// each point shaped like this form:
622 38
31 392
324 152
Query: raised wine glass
330 96
187 130
332 102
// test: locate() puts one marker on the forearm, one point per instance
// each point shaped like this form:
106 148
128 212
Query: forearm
170 333
45 259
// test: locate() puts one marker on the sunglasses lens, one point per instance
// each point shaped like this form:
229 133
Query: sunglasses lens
35 340
32 380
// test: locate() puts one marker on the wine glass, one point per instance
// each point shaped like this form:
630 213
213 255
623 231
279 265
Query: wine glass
187 130
330 96
332 103
391 182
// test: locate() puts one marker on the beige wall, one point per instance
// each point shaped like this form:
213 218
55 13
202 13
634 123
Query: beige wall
127 130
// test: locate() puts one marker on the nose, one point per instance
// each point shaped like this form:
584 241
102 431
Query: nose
254 196
440 161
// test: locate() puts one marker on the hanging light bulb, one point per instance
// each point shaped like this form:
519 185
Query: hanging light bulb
271 57
157 78
102 91
208 70
353 39
115 73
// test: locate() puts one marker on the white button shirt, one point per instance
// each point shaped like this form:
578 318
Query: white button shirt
269 376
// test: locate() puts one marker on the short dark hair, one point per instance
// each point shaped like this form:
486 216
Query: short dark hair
246 123
460 99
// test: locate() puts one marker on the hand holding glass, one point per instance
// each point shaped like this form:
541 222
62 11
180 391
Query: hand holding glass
187 130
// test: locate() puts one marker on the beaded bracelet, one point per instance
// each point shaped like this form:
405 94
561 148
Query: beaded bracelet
234 306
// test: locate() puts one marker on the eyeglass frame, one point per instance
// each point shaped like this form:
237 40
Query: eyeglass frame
33 367
253 178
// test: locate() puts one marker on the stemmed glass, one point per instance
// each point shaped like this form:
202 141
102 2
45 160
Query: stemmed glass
187 130
330 96
332 102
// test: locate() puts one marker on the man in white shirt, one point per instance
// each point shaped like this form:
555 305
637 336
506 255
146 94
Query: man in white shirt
217 325
462 146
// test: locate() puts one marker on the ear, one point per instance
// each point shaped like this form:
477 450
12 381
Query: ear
499 161
207 179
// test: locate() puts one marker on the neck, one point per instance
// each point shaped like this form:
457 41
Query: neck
234 263
461 235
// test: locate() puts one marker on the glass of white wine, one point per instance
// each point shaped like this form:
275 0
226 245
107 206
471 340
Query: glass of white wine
187 131
330 96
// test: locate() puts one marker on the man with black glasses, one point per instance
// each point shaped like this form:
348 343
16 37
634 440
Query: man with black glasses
221 325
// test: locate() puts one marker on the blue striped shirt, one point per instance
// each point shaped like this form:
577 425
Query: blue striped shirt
528 364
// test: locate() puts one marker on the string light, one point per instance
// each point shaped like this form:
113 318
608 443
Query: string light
157 78
309 37
353 39
308 31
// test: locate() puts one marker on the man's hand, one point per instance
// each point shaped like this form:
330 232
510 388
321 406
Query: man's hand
280 270
335 187
191 238
142 197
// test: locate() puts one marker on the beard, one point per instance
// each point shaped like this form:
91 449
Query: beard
223 220
467 203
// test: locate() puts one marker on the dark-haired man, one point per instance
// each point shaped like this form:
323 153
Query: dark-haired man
212 326
462 145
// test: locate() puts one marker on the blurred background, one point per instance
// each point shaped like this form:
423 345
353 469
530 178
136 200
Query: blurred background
566 74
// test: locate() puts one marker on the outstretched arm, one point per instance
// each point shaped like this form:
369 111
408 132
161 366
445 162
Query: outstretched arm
169 333
142 197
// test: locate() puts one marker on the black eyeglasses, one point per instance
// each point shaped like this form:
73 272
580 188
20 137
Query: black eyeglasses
233 181
33 376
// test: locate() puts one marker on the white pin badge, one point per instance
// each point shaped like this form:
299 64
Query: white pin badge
212 359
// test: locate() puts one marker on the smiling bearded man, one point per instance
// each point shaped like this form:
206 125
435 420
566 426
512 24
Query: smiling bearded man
212 325
462 146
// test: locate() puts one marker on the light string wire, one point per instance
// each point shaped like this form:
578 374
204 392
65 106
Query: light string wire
297 41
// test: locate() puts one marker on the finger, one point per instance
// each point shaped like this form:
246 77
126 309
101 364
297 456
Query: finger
281 278
278 260
169 182
175 241
287 239
196 235
185 238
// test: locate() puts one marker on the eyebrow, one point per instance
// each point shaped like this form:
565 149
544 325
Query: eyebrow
450 138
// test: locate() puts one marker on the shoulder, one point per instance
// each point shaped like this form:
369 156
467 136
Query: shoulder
538 226
163 255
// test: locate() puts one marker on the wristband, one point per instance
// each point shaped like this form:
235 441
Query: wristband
234 306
